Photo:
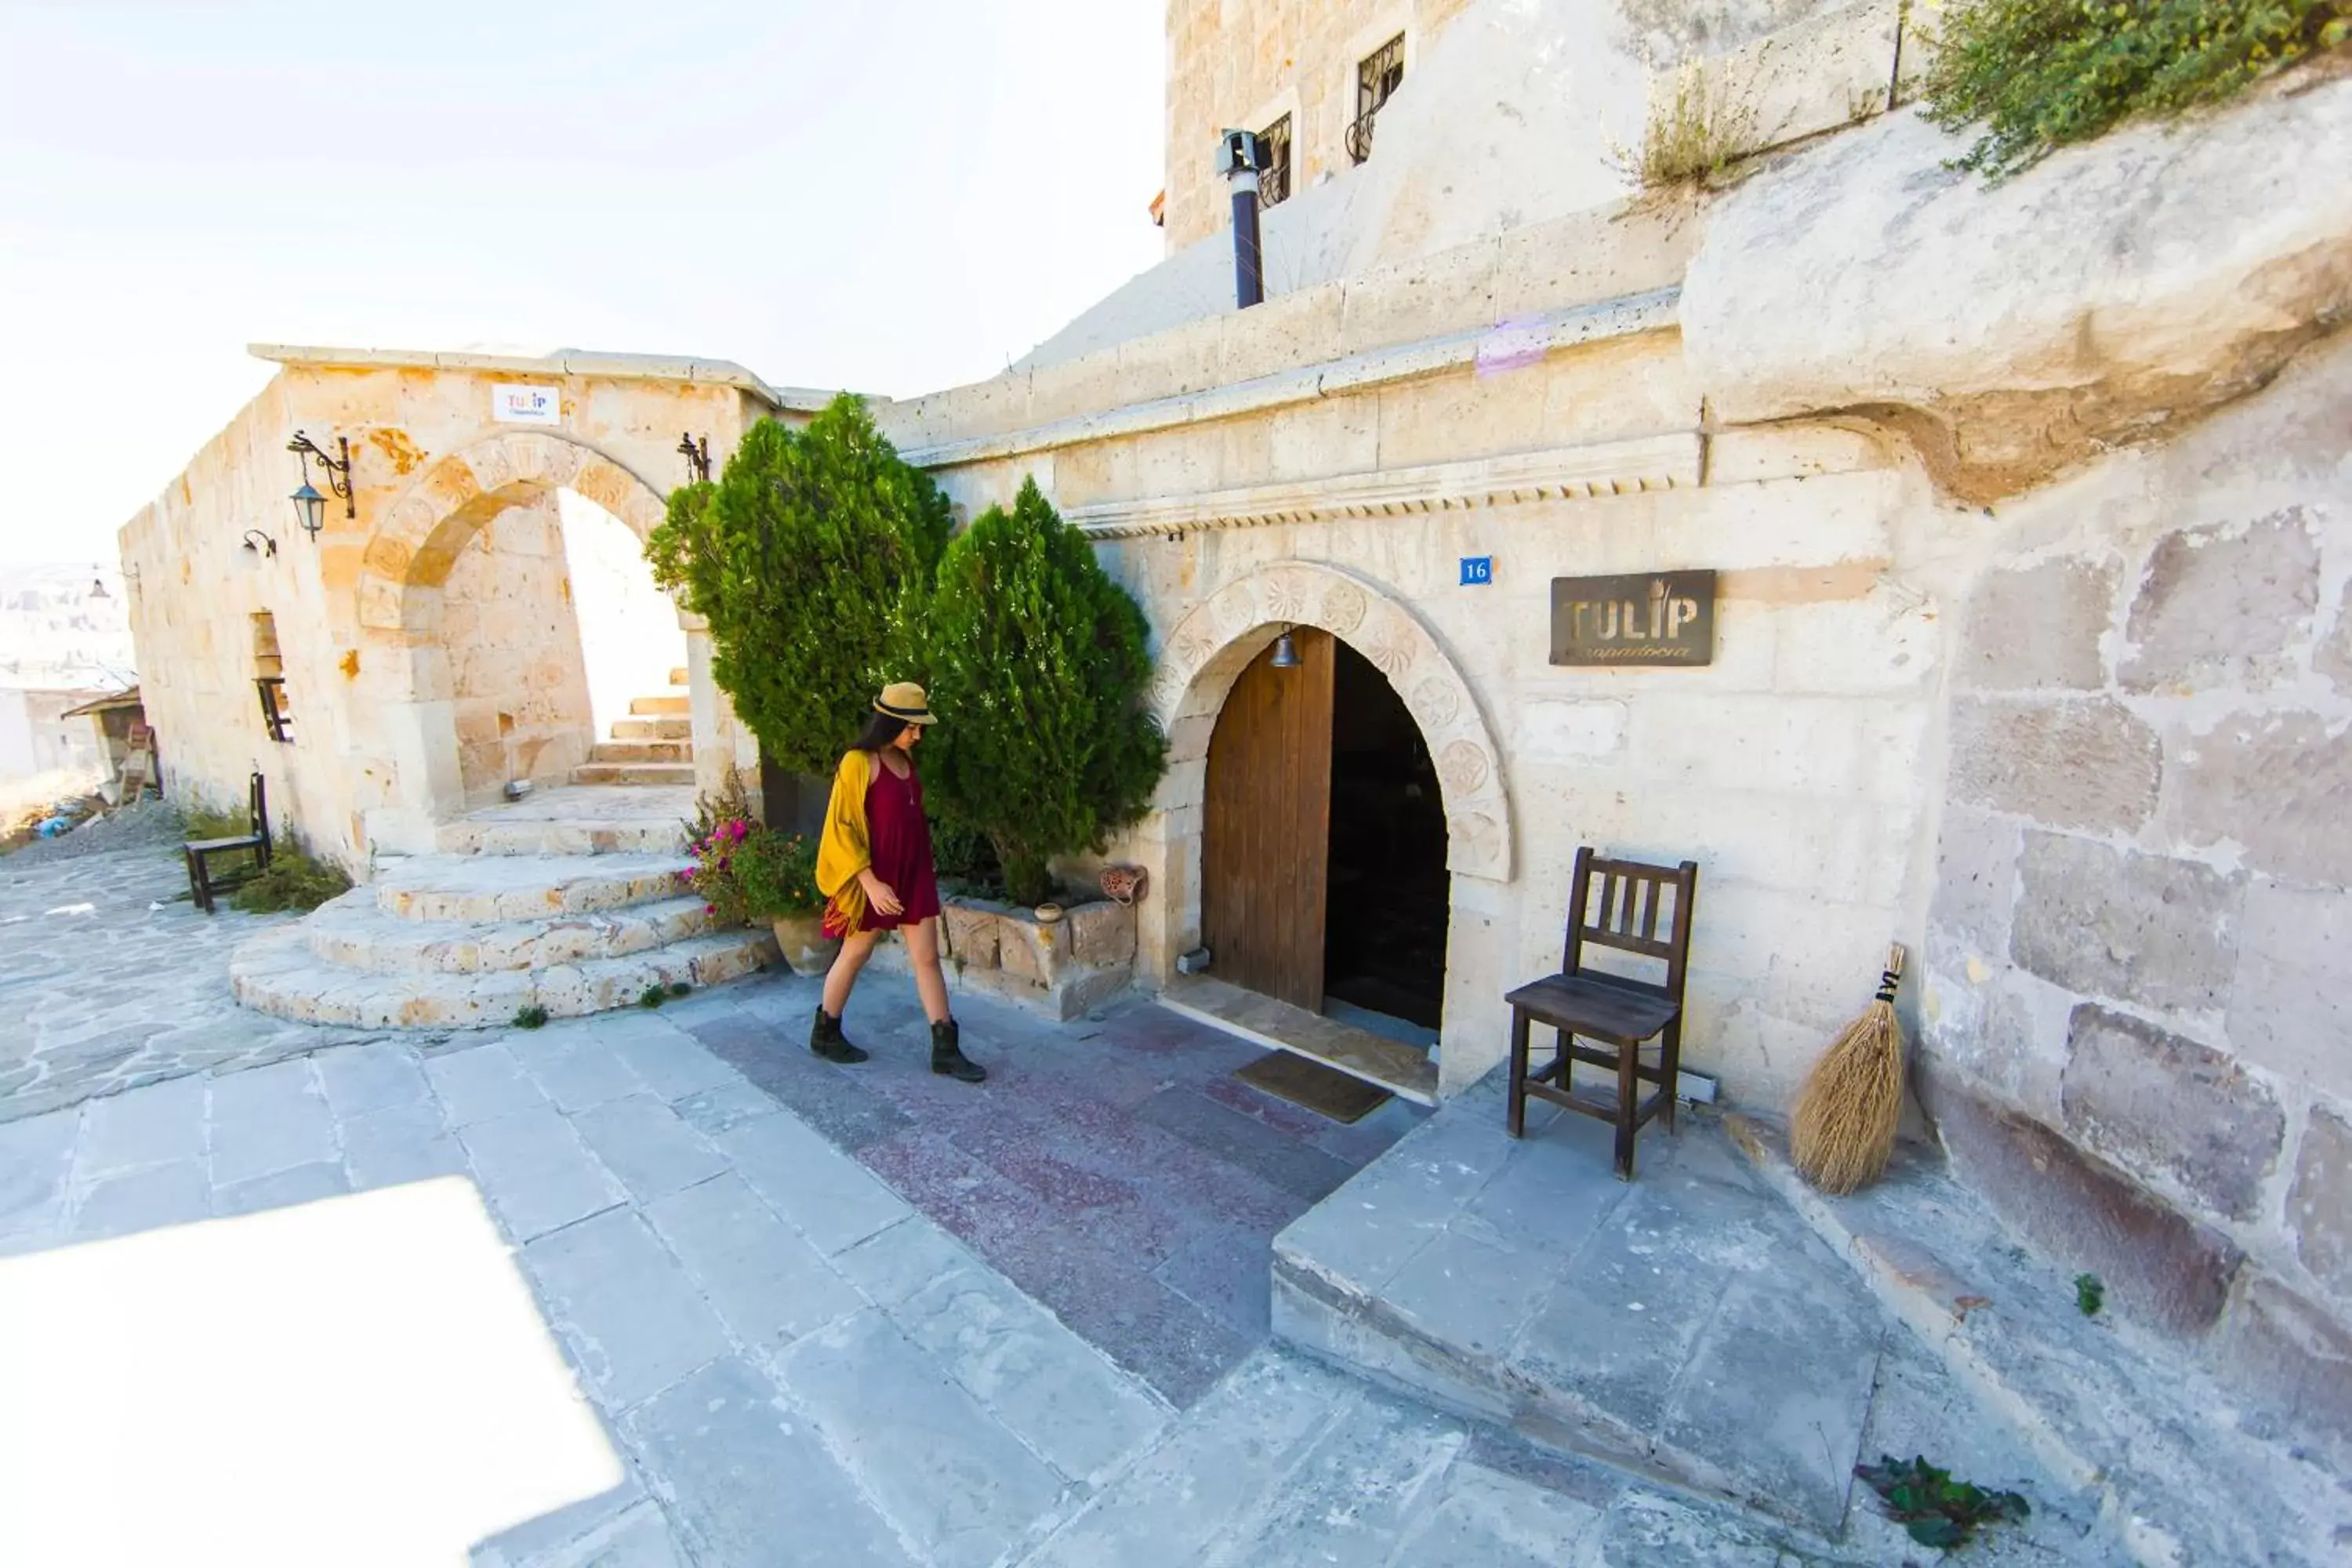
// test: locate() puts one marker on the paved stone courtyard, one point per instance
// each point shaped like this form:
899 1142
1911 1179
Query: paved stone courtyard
819 1315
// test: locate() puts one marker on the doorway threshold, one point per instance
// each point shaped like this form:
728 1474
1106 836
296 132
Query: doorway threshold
1404 1072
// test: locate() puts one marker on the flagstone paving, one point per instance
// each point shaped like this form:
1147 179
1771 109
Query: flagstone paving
110 979
865 1315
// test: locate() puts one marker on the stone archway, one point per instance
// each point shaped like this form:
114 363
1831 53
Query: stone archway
1209 648
408 558
1206 651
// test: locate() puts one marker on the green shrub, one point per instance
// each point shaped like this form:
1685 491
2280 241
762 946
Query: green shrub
2039 74
778 873
291 881
1038 663
533 1017
811 558
654 996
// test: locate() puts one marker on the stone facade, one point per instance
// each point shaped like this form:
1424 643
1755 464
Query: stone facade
428 645
2030 646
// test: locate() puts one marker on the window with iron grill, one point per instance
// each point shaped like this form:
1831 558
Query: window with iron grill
1377 78
1274 163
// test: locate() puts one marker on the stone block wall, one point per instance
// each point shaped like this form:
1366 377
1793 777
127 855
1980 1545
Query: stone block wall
2137 1011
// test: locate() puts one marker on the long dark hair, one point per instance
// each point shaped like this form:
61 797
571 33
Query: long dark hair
881 732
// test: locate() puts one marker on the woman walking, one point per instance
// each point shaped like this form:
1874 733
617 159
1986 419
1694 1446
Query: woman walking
873 865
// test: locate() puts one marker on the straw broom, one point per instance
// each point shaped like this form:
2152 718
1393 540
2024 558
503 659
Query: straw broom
1844 1127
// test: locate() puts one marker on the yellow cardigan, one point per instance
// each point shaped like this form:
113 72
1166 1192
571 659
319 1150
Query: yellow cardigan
843 849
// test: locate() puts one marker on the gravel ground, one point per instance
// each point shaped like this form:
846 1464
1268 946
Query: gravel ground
148 824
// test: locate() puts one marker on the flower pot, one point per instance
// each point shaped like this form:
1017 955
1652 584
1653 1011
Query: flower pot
807 950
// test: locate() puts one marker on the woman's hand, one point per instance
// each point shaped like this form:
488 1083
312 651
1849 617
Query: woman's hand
878 893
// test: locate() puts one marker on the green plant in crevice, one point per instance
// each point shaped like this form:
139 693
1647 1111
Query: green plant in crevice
533 1017
2090 1295
679 988
1695 133
654 996
2036 74
1936 1510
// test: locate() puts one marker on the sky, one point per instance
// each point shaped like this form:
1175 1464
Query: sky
894 197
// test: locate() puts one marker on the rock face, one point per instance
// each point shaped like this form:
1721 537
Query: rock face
2008 341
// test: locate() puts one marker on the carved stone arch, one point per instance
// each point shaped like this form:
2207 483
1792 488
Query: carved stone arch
1206 651
421 535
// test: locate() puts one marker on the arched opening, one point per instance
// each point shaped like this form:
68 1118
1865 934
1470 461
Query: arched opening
562 653
479 645
1210 664
1323 858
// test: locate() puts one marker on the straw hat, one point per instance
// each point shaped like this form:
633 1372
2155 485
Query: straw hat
905 700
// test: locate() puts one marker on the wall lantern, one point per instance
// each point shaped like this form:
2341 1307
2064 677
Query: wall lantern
310 506
1286 655
698 458
260 543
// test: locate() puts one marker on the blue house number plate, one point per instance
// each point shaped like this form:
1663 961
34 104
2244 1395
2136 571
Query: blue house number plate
1478 569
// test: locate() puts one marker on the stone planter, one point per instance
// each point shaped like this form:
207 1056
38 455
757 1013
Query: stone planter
1057 969
807 950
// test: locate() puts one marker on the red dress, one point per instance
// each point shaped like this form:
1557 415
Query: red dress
900 838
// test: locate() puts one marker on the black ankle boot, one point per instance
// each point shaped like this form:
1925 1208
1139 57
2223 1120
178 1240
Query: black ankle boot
947 1054
827 1041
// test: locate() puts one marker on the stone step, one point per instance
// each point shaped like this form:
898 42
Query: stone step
679 675
524 887
555 836
2177 1466
633 775
1405 1072
353 931
642 751
644 705
667 728
276 973
1686 1325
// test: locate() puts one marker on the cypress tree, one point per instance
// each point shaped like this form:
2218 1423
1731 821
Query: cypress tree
812 559
1039 665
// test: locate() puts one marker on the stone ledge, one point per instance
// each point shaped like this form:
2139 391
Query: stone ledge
2115 290
2184 1472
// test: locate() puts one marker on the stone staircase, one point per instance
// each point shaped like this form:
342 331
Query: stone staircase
654 746
572 901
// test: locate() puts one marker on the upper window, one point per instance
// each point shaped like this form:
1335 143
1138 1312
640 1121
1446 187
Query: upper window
1274 163
1378 77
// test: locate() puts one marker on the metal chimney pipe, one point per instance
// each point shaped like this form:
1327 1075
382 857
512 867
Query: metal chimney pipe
1238 161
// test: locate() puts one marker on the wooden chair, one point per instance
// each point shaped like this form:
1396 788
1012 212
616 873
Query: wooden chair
1586 1005
202 882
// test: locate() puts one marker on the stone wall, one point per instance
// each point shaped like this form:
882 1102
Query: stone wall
1787 768
2140 938
363 611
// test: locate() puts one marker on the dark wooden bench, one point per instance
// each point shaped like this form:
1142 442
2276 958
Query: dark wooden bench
203 881
1603 1019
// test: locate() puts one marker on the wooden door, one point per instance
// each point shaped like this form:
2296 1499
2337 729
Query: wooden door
1267 827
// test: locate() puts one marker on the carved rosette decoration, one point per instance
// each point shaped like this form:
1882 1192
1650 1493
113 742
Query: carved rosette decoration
1201 661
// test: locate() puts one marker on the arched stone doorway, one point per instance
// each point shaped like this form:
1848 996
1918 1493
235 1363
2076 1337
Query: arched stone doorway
1207 652
406 571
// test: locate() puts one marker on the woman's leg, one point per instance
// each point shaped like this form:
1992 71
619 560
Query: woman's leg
923 949
838 980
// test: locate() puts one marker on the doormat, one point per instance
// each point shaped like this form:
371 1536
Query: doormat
1326 1091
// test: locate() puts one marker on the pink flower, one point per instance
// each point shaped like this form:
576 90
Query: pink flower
710 908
